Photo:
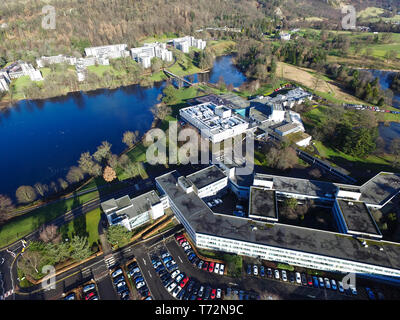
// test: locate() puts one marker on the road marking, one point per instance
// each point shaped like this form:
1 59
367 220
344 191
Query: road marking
144 261
150 274
180 259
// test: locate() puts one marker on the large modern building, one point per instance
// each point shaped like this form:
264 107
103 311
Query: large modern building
215 123
143 55
185 43
132 213
21 68
357 247
111 51
45 61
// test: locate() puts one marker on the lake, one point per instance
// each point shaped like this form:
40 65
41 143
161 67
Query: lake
384 81
41 140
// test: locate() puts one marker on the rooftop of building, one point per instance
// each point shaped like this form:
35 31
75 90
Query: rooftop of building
358 217
300 186
381 188
287 127
263 203
131 207
230 100
313 241
206 176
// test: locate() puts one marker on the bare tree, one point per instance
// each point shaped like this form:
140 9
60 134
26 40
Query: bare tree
130 138
41 189
6 206
75 174
50 233
63 184
103 151
25 194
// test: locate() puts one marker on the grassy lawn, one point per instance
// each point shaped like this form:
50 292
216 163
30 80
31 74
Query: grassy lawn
84 225
25 224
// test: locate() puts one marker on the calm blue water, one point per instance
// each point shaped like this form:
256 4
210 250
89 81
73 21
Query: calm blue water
389 133
384 81
41 140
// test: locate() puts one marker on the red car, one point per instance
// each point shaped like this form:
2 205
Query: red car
205 265
181 240
180 236
184 281
211 267
213 292
88 296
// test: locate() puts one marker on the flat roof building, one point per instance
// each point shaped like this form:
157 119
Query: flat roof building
263 204
214 122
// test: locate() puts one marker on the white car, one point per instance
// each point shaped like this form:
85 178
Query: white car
210 204
175 273
276 274
185 243
176 291
327 283
117 272
219 293
255 270
140 284
179 278
353 290
284 276
298 278
216 268
187 247
221 269
172 286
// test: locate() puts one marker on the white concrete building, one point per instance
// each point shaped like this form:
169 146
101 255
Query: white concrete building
215 123
132 213
185 43
111 51
143 55
44 61
311 248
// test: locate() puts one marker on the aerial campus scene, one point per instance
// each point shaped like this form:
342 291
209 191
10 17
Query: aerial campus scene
212 150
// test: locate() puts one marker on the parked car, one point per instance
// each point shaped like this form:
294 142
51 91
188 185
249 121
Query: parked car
298 278
184 282
269 273
303 279
140 284
370 293
175 273
117 272
276 274
211 267
90 295
176 291
172 286
315 281
216 268
139 280
132 265
309 281
201 291
219 294
341 289
205 265
221 269
333 284
327 283
213 294
353 290
118 279
88 287
249 269
255 270
207 293
71 296
291 277
200 265
321 282
179 277
262 271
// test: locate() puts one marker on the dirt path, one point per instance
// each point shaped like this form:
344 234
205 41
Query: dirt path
308 78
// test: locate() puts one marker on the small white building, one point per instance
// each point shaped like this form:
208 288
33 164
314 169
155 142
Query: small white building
111 51
185 43
132 213
44 61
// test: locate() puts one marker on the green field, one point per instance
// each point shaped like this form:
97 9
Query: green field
86 225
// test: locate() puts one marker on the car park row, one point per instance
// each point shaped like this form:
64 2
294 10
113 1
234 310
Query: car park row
135 275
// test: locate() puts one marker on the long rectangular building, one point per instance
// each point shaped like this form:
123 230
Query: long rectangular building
278 242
